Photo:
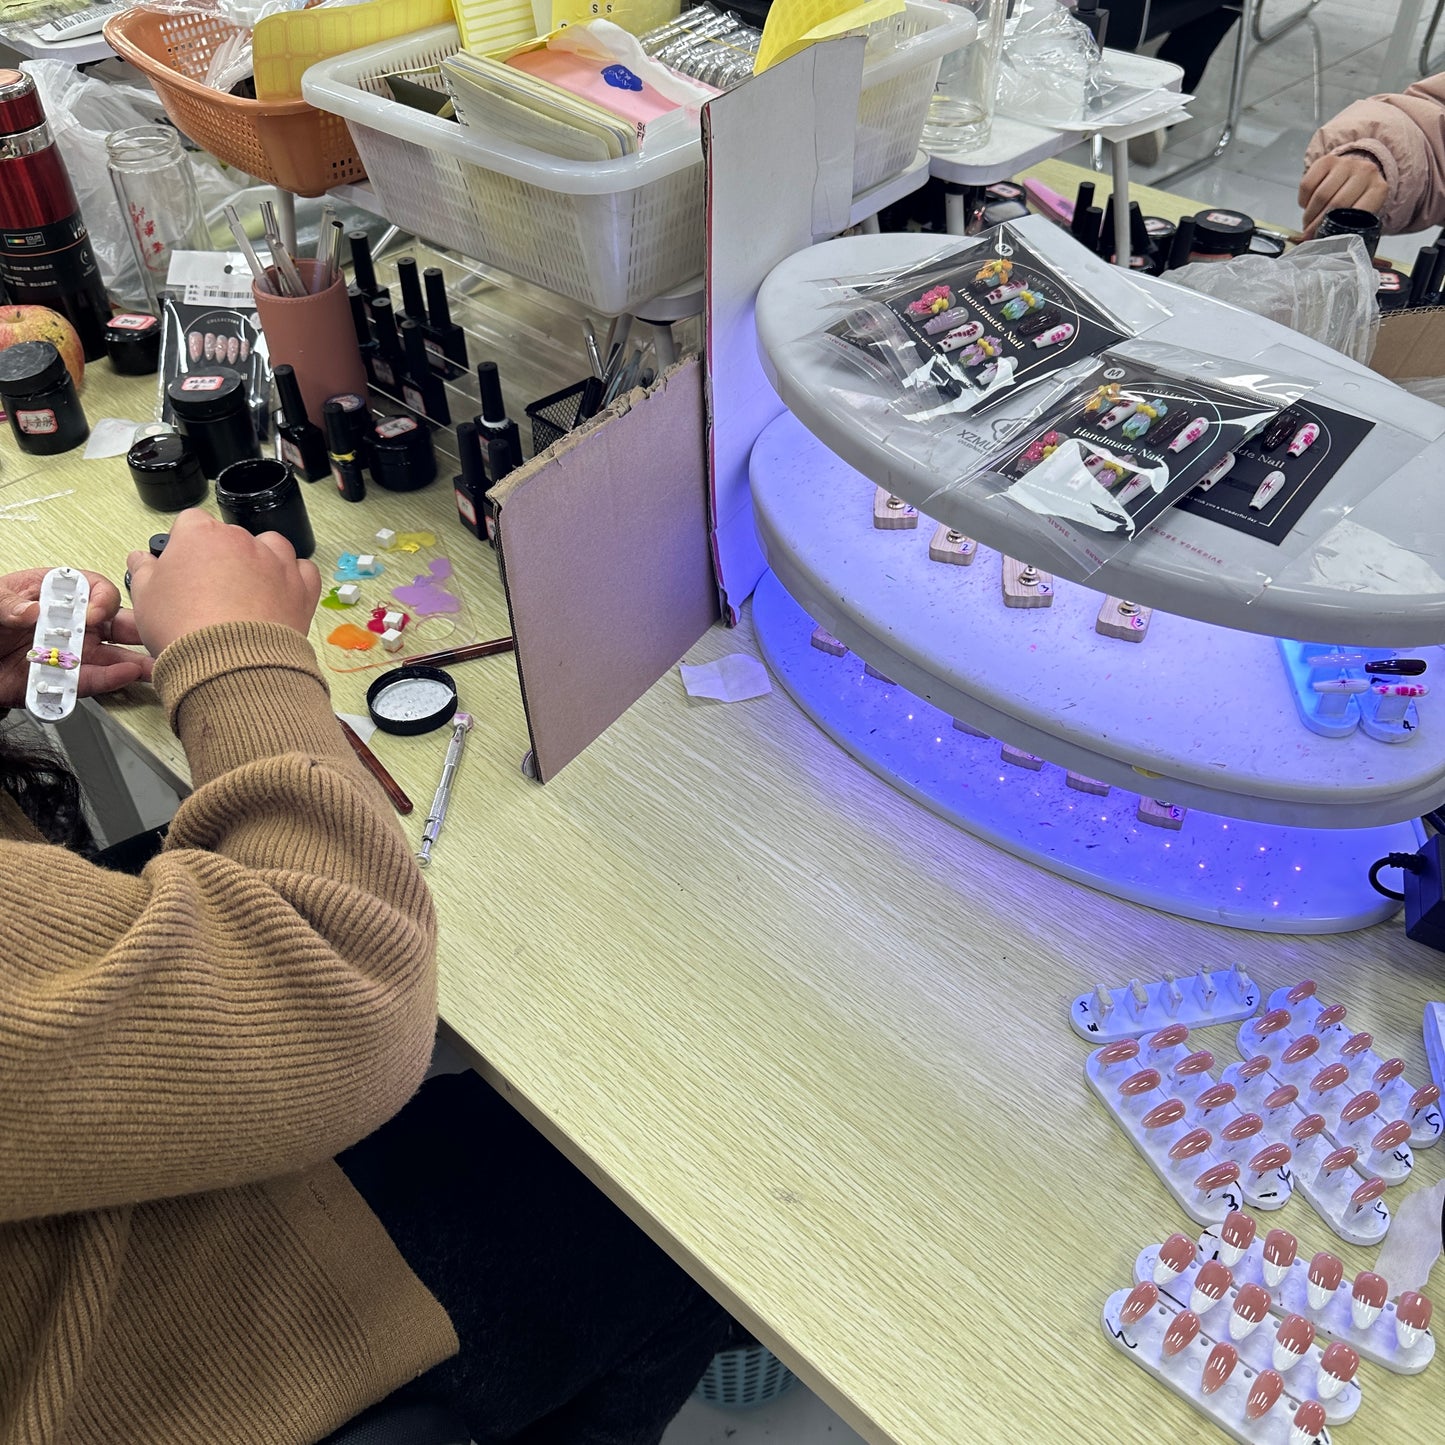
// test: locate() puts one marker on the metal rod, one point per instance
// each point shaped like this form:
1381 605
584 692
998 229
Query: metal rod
461 726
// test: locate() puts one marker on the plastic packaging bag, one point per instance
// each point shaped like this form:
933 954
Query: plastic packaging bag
1324 289
955 334
82 112
1047 64
1148 427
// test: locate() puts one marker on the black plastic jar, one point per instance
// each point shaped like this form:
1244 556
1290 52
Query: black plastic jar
262 494
133 343
166 473
212 412
1221 235
37 392
402 456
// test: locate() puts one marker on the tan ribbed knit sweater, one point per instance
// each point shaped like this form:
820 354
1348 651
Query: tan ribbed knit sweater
181 1054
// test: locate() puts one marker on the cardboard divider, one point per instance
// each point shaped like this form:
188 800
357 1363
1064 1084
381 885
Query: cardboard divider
603 543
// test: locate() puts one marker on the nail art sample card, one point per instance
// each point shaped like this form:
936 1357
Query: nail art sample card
968 328
1126 446
1277 474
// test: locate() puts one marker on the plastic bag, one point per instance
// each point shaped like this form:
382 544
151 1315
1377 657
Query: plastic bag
1047 64
1148 427
1324 289
82 112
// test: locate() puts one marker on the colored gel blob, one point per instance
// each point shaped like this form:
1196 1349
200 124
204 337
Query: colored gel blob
426 594
352 637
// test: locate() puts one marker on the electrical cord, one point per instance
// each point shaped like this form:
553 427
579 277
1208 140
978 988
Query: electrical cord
1409 862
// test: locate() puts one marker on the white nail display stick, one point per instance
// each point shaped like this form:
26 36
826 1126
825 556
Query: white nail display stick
1426 1129
1143 1343
1208 998
53 683
1256 1349
1291 1297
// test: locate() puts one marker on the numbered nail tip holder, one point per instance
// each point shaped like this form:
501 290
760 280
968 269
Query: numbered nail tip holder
1207 1152
1304 1289
1334 694
53 683
1278 831
1215 1300
1207 1371
1207 997
1344 1039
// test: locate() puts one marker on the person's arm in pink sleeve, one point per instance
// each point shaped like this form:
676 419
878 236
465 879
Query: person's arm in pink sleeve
1385 154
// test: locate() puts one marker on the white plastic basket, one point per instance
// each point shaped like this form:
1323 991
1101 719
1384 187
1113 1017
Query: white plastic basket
610 234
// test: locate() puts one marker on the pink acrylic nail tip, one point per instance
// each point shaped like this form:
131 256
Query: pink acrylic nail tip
1214 1097
1356 1045
1176 1254
1389 1071
1425 1097
1309 1423
1182 1330
1235 1237
1282 1098
1269 1159
1144 1082
1263 1394
1214 1280
1367 1194
1281 1249
1217 1176
1310 1127
1338 1366
1360 1107
1412 1318
1169 1037
1142 1298
1242 1127
1190 1146
1191 1065
1292 1341
1251 1305
1326 1272
1253 1068
1329 1077
1392 1136
1338 1159
1271 1022
1218 1367
1161 1116
1119 1052
1304 989
1329 1017
1304 1047
1367 1298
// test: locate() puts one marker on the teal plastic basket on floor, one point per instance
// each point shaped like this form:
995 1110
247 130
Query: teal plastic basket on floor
741 1378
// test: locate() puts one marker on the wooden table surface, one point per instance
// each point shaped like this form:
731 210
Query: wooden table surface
812 1037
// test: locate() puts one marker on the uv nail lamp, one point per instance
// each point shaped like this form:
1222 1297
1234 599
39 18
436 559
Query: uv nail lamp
1176 772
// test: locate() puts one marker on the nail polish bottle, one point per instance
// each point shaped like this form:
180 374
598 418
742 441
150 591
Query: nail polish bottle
299 441
413 308
421 388
362 269
345 468
494 422
390 363
470 485
442 332
500 463
361 322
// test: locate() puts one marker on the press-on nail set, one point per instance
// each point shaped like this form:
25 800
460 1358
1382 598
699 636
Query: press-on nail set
1338 690
53 683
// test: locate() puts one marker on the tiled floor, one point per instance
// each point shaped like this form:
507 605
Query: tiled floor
1258 174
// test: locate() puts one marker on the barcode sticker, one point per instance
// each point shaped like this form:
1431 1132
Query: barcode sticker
212 278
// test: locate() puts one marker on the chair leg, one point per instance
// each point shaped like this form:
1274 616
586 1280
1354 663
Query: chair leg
1249 12
1426 65
1267 37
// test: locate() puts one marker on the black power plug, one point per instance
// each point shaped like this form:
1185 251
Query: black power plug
1424 894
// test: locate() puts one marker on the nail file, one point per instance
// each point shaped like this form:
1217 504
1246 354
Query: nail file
53 684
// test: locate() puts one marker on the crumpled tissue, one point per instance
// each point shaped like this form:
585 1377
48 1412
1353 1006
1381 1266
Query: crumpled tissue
733 678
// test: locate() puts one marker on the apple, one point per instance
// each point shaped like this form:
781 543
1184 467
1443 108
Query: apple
40 323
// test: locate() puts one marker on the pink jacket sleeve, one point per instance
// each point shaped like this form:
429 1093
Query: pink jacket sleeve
1405 136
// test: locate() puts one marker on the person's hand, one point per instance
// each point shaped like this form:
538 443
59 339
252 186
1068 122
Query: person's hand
104 666
211 573
1337 181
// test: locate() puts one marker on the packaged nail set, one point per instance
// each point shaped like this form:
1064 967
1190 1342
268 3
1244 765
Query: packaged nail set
1278 472
968 327
1151 425
201 337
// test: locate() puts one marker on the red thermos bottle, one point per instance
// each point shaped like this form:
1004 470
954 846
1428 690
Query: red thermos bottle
45 255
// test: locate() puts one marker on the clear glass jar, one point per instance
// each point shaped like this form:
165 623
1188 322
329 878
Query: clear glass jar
156 188
960 111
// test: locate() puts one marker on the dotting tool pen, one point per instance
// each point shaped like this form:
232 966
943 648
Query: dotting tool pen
461 726
450 655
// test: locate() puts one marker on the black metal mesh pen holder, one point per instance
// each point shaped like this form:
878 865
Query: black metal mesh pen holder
554 416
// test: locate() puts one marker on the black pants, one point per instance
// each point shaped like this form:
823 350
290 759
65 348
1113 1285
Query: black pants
1193 31
575 1328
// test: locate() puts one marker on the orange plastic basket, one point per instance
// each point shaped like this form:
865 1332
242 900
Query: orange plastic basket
288 143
